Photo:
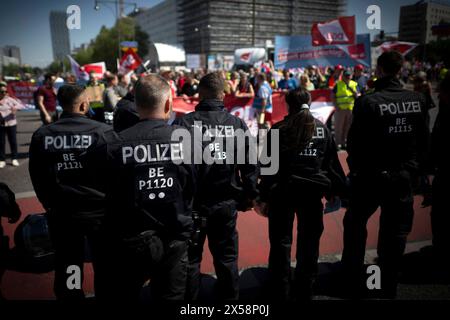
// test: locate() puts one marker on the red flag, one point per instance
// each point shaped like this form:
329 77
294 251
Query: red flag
403 47
129 62
338 31
98 68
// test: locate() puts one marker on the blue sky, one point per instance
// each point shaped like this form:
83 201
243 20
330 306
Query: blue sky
25 23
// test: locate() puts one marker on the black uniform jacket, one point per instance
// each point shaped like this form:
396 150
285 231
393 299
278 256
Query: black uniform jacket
150 186
315 167
388 130
439 139
60 179
125 115
224 179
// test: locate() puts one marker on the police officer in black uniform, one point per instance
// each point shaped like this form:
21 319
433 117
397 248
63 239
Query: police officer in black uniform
125 115
224 188
149 197
386 153
440 218
72 197
309 169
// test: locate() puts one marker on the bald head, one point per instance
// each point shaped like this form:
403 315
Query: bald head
152 96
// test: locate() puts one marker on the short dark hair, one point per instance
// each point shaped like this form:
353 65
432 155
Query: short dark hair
151 91
68 95
48 76
211 86
390 62
262 76
109 78
300 125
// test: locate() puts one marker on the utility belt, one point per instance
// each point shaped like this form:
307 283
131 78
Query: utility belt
147 244
201 214
399 177
199 224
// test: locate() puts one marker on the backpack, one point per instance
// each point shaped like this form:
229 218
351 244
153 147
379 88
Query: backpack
32 237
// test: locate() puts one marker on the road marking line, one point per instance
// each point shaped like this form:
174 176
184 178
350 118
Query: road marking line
28 194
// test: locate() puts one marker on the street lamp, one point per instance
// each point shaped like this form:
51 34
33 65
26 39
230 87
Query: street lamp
118 13
201 30
116 2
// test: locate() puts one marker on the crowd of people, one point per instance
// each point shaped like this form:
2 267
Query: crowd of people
147 216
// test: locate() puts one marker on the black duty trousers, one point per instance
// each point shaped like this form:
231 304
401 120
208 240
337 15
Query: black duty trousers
223 244
392 191
69 237
282 209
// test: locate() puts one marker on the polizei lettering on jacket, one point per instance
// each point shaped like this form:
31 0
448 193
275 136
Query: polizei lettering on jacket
75 141
218 131
152 153
396 108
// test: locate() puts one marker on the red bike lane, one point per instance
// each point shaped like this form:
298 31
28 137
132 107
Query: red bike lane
253 246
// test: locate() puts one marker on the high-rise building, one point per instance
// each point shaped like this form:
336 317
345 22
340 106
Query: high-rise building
160 22
60 34
221 26
417 20
12 52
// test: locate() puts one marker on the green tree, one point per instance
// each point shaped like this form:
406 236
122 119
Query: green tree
105 47
12 70
84 56
58 67
143 40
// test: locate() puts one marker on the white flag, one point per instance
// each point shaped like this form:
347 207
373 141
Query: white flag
77 70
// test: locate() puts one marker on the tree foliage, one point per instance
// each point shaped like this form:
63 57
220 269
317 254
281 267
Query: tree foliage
105 47
11 70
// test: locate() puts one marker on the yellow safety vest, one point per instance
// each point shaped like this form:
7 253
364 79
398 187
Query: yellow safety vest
344 97
443 73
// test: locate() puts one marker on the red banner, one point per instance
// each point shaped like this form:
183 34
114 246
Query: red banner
23 91
321 107
338 31
99 69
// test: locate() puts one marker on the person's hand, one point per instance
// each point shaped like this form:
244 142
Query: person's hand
261 208
48 118
14 218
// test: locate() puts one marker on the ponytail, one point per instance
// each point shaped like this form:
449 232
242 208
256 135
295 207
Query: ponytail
300 124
